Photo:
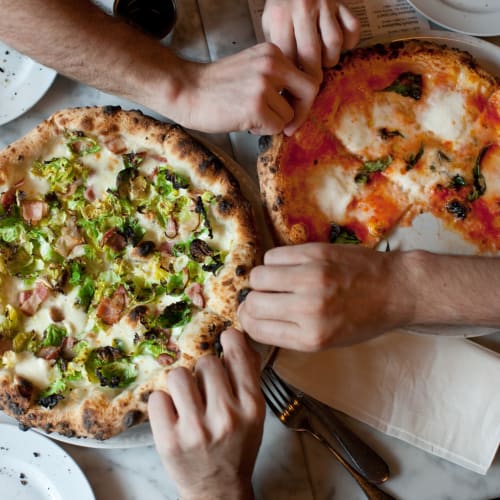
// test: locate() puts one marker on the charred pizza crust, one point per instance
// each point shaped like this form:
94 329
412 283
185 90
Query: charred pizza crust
93 410
346 130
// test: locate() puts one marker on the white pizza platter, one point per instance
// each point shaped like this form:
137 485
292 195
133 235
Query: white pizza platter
472 17
428 232
33 467
23 82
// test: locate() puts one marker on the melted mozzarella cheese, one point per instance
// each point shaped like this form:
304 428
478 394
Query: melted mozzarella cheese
75 319
353 131
105 167
334 191
29 367
444 114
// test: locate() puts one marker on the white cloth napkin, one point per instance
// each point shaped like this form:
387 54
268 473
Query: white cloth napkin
441 394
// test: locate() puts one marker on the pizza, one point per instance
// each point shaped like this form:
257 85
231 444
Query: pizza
125 249
397 130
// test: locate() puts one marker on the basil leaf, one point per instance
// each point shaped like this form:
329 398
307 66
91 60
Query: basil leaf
407 84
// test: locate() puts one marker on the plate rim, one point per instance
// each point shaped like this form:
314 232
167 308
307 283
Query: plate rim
41 75
440 13
13 438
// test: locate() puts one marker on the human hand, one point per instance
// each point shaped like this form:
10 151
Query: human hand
208 429
318 295
312 33
243 92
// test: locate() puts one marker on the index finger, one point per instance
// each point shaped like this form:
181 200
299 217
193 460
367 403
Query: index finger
242 364
297 254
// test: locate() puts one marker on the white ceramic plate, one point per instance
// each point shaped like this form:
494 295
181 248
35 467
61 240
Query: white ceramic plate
428 232
472 17
23 82
32 467
135 437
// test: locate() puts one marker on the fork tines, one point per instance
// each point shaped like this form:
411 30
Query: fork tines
277 395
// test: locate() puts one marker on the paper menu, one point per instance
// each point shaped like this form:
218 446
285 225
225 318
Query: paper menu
377 17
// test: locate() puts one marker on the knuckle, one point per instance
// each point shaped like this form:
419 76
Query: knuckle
228 423
318 340
255 407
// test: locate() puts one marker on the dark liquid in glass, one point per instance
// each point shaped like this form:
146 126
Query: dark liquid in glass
155 17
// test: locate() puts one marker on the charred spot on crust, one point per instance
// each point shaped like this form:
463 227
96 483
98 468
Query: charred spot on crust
218 347
145 396
89 419
65 429
242 294
225 206
23 427
132 418
50 401
111 110
15 408
240 270
25 388
264 143
204 346
211 162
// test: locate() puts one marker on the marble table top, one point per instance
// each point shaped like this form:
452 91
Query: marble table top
290 465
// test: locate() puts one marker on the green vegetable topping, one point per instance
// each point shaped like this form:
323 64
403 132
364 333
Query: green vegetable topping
370 167
407 84
343 235
175 314
413 159
479 182
54 335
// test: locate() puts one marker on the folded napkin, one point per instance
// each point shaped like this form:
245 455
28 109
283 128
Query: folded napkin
441 394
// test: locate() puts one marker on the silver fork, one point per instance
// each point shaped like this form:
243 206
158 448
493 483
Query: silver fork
292 413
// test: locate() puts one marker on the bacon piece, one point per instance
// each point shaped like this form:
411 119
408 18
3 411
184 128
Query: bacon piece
34 210
5 345
110 309
69 239
166 248
8 198
195 293
49 352
31 300
116 145
67 347
89 194
165 359
114 240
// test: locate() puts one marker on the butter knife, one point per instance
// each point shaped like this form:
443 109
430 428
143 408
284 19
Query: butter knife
371 465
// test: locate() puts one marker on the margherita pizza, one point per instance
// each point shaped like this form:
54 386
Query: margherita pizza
125 248
396 130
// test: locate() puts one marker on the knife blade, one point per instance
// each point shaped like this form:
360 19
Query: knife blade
366 460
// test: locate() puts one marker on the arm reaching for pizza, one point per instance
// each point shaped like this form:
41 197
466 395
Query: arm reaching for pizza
209 428
82 42
317 295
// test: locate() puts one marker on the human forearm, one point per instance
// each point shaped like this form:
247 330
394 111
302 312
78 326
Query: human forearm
453 289
82 42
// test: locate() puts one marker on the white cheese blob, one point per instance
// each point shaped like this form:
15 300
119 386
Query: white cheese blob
353 131
334 192
445 115
28 366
